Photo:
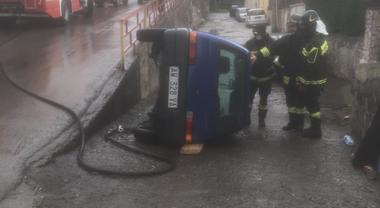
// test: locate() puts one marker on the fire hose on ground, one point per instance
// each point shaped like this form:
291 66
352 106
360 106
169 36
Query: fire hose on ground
107 137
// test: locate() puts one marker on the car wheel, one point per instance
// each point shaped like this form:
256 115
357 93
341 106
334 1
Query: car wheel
150 35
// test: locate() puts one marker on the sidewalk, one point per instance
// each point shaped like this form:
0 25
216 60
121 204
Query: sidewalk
73 65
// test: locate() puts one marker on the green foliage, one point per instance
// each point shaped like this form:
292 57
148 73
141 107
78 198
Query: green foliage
341 16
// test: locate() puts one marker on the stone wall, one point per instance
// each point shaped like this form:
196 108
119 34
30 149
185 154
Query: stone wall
189 14
366 92
366 87
371 48
344 56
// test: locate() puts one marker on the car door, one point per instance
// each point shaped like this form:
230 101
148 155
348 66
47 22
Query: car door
233 90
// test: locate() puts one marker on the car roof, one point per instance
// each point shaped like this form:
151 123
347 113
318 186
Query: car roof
257 9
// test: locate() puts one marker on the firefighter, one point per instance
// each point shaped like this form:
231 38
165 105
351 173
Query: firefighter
262 71
311 78
287 48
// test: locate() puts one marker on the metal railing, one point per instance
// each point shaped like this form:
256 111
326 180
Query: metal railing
144 17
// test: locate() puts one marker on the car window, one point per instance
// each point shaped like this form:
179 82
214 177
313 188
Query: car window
256 12
229 82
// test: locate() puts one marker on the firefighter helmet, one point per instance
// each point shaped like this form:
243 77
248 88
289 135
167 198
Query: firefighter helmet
260 29
310 17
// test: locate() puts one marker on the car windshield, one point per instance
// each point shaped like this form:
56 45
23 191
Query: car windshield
242 10
256 12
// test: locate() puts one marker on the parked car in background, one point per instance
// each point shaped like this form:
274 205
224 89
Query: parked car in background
255 17
241 14
233 10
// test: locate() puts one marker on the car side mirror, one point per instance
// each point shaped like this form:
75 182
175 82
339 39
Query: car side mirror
224 65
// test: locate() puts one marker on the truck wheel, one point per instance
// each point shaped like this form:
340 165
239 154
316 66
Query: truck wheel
66 12
150 35
89 9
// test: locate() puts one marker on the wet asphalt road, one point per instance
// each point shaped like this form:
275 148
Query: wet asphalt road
67 64
255 168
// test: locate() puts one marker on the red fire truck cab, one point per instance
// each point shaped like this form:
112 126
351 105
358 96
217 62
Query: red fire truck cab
11 10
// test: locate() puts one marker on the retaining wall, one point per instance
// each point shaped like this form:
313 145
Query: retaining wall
366 85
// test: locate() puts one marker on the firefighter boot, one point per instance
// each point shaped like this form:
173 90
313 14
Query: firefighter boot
314 132
291 124
262 115
299 122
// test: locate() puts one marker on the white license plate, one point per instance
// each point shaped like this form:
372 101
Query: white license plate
173 87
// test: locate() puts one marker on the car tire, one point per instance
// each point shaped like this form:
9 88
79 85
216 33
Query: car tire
150 35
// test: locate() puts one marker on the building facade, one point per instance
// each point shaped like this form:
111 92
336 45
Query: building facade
252 4
280 10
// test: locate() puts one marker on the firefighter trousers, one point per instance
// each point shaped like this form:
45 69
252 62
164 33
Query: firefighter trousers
296 109
309 96
264 89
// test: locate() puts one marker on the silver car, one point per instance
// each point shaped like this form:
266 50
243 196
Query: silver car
241 14
255 17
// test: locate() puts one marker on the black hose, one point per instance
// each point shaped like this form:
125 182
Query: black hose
107 137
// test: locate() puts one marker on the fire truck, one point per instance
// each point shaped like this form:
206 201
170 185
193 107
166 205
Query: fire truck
61 10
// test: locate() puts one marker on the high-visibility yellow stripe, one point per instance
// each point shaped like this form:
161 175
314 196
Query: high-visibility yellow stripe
262 79
265 79
262 107
305 52
311 55
324 48
292 110
286 80
316 115
300 110
265 52
311 82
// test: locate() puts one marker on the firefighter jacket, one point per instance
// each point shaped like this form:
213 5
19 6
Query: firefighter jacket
261 70
287 48
314 61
